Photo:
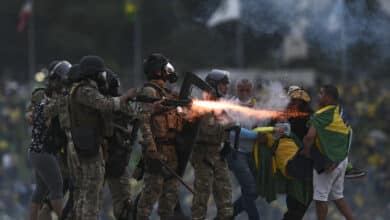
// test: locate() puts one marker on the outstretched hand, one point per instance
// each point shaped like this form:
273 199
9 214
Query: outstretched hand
129 94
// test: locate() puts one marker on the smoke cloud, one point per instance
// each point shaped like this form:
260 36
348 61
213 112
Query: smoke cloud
333 25
272 97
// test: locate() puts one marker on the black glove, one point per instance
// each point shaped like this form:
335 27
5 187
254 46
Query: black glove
226 150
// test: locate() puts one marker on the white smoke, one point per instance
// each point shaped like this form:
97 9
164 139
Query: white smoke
272 97
333 25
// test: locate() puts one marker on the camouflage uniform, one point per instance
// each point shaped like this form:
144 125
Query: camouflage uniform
86 105
66 161
120 189
211 170
159 132
117 173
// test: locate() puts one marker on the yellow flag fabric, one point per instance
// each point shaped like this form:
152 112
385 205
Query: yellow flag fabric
332 133
285 151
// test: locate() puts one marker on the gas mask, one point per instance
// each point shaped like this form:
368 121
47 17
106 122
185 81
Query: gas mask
170 73
101 80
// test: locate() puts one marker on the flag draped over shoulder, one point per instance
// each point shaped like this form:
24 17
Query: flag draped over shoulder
332 133
24 15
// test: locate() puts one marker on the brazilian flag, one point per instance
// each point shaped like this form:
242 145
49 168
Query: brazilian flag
270 170
332 133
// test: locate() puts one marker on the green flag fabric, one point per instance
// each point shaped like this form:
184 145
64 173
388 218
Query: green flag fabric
269 183
332 133
270 180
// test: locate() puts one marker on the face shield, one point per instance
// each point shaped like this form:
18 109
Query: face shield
59 71
219 80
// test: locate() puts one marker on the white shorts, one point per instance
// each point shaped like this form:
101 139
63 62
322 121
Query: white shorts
329 186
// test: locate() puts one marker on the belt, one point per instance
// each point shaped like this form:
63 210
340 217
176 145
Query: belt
207 143
169 141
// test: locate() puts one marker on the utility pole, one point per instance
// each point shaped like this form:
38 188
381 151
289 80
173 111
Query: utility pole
31 44
137 44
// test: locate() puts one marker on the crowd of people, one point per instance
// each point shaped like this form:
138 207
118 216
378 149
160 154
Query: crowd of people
365 102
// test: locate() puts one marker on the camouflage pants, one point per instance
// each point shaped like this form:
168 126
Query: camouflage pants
211 172
88 188
120 193
156 188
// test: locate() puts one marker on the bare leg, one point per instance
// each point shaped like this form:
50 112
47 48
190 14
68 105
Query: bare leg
322 210
34 207
57 206
344 208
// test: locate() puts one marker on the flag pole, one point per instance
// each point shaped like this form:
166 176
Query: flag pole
31 44
137 41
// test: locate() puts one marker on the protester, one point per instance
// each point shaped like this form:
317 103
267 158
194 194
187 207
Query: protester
330 135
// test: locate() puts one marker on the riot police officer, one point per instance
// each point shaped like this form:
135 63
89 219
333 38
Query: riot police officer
119 147
208 157
159 126
86 108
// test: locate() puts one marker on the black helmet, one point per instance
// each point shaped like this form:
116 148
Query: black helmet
154 63
91 65
159 63
58 70
216 77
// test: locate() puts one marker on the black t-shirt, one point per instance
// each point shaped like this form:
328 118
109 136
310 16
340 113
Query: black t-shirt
39 128
46 139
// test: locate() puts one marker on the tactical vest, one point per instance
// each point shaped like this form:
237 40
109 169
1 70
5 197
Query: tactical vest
85 126
210 131
165 124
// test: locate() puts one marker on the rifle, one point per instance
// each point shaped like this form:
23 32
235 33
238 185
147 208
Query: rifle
172 172
164 101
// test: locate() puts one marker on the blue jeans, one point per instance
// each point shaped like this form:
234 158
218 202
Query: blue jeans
242 164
